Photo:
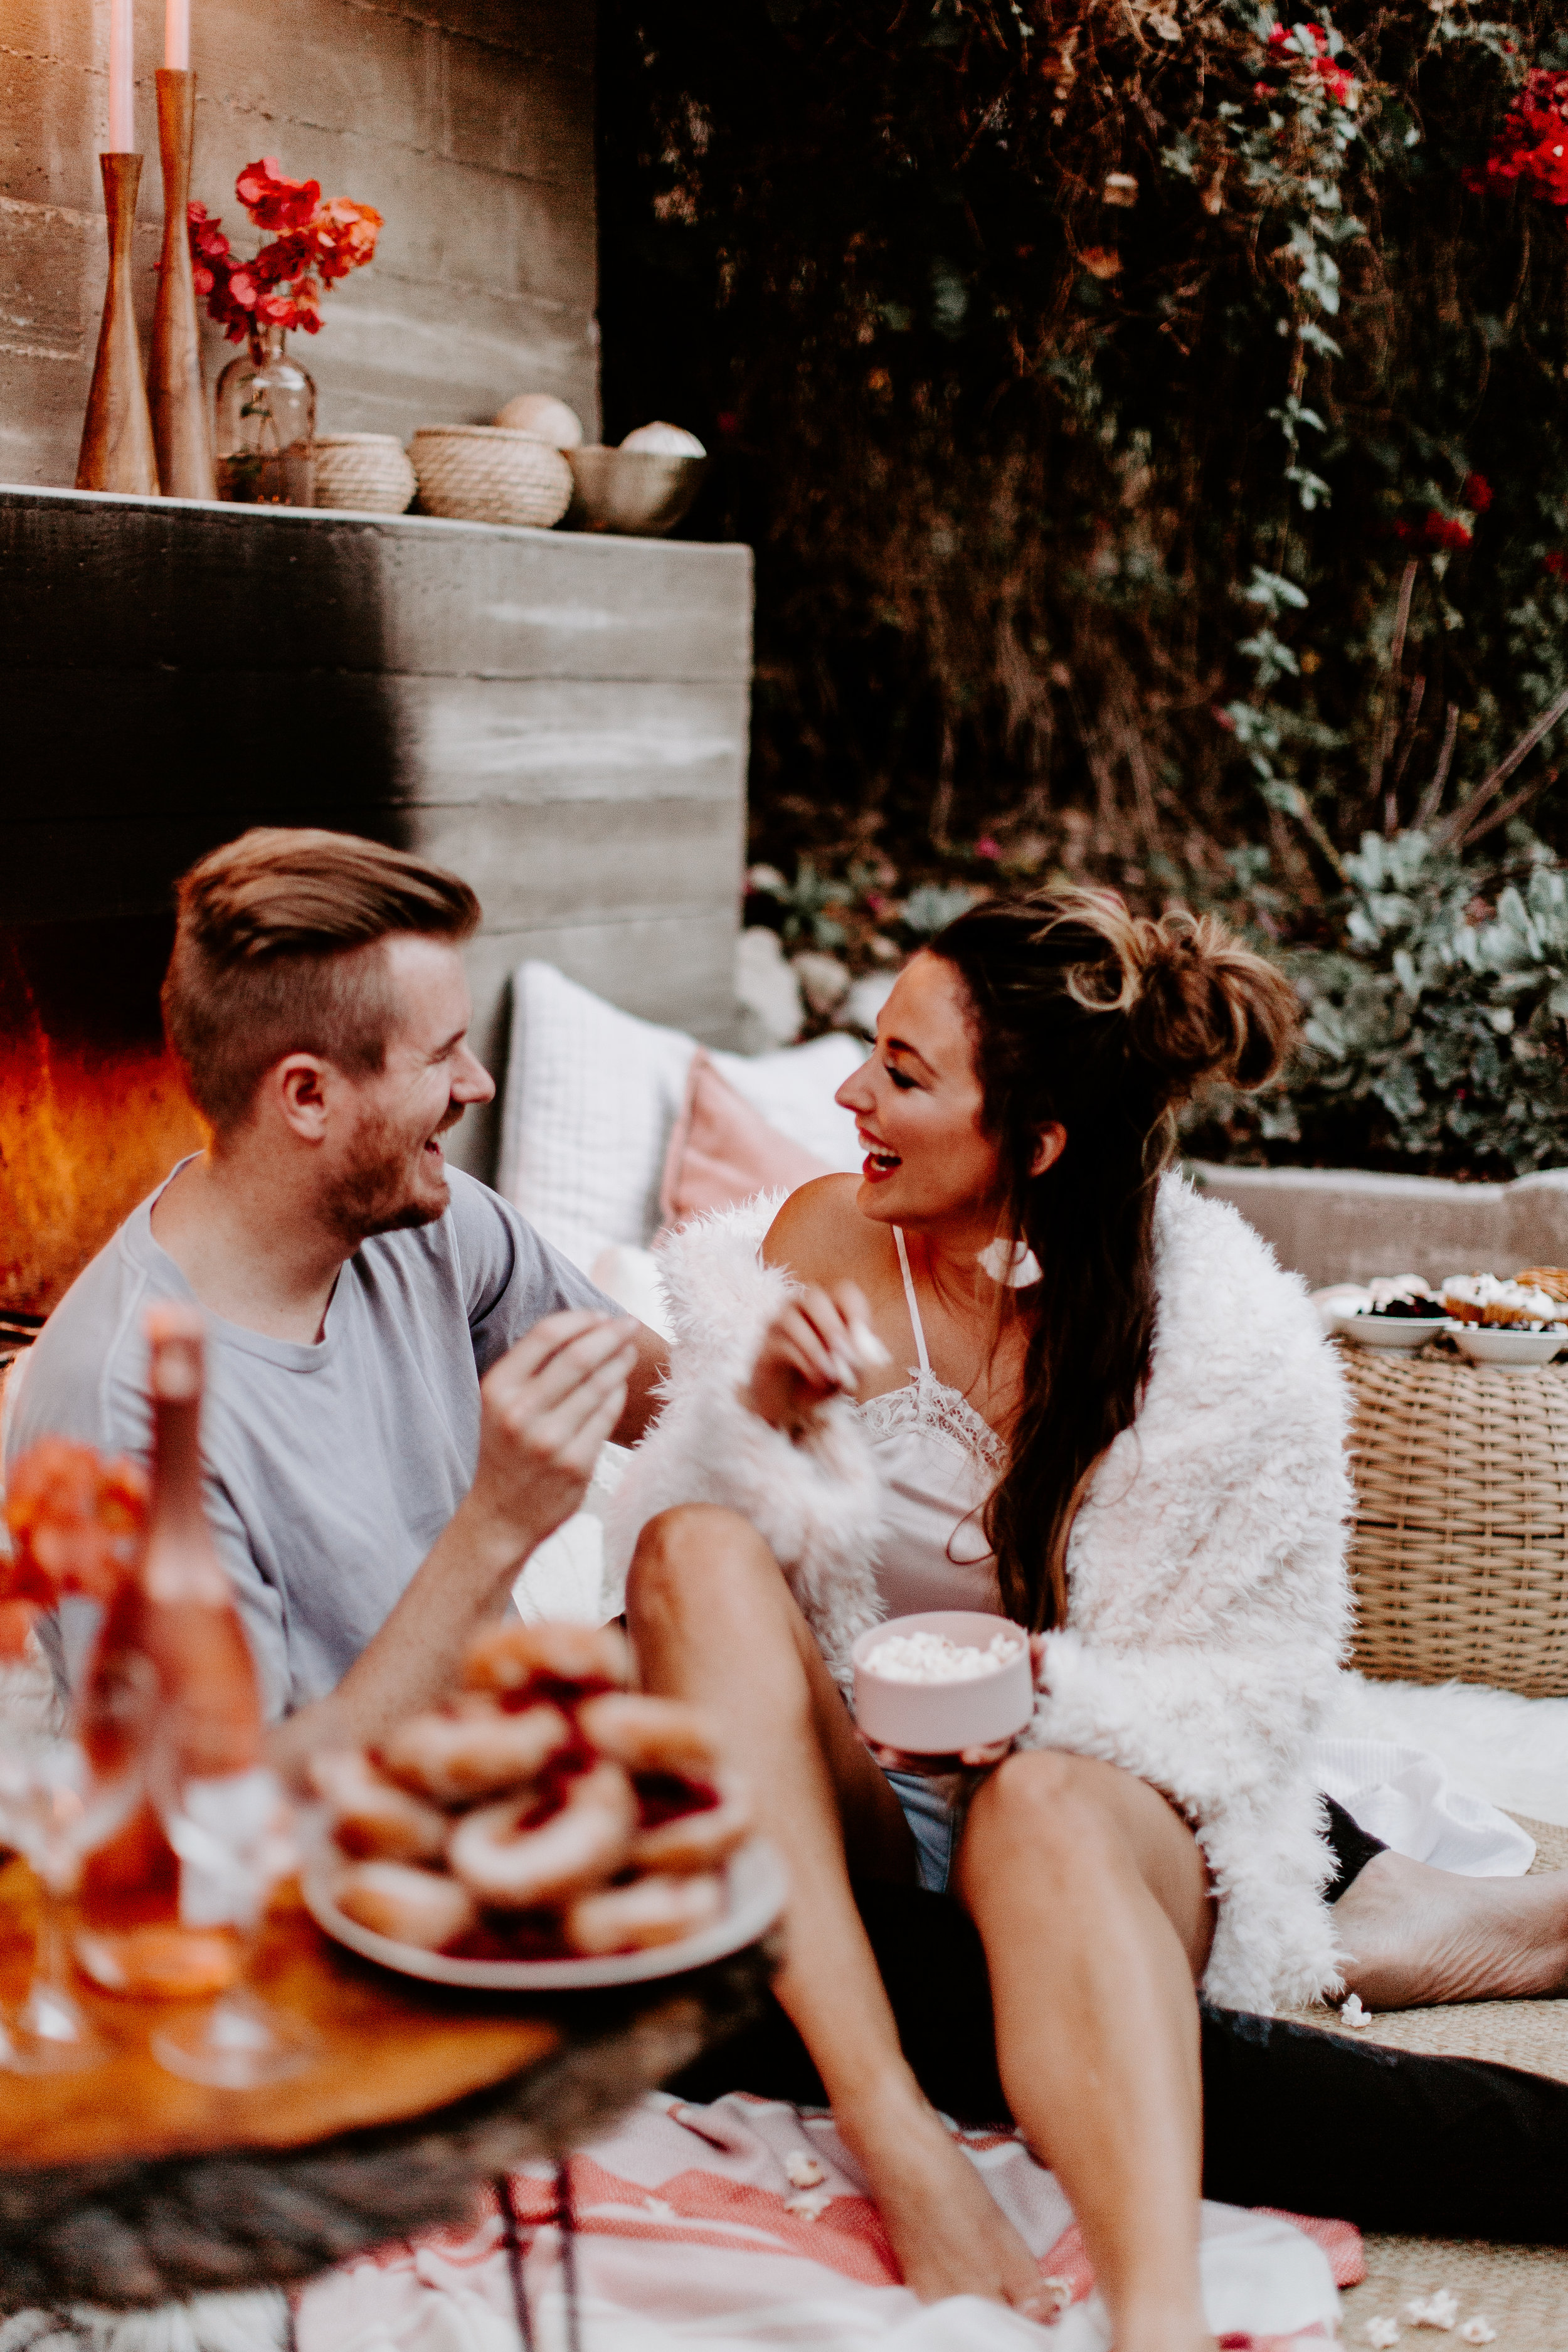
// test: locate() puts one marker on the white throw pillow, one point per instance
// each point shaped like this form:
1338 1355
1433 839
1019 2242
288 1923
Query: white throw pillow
793 1089
592 1094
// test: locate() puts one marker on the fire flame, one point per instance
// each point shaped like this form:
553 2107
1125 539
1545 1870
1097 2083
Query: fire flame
86 1131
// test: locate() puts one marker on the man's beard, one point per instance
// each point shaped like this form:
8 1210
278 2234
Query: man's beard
370 1196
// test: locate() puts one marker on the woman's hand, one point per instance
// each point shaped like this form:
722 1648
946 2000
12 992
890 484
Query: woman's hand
816 1348
974 1760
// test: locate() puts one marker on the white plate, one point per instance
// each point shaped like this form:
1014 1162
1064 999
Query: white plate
1510 1348
756 1886
1405 1332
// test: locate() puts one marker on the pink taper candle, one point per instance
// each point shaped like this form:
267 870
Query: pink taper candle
121 112
177 34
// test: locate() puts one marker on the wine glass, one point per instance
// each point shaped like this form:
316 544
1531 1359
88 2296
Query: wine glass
56 1811
233 1839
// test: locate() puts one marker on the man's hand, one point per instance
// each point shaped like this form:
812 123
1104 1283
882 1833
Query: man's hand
813 1350
545 1409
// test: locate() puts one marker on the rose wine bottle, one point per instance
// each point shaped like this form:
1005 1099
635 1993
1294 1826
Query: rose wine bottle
171 1693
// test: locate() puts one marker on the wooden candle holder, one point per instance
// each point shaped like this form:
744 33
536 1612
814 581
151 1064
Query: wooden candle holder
182 433
117 452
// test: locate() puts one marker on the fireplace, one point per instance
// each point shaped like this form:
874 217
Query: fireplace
562 719
92 1108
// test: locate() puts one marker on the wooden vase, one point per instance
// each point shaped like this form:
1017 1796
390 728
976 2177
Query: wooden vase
176 395
117 451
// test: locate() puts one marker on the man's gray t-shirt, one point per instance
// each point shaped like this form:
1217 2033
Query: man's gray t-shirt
330 1469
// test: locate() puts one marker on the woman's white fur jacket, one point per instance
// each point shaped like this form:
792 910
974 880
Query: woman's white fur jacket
1208 1604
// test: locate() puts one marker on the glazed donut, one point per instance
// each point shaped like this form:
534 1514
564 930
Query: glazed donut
651 1734
374 1819
649 1911
412 1907
510 1866
696 1840
473 1749
512 1659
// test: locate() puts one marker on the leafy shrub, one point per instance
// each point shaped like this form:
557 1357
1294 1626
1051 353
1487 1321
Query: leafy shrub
1434 1020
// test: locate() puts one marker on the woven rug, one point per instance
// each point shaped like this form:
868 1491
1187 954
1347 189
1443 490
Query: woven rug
1519 2291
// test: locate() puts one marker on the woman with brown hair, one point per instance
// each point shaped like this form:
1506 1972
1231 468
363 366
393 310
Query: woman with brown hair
1106 1414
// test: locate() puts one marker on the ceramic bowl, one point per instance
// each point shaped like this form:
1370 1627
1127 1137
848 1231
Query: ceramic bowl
1404 1332
939 1719
1514 1349
641 493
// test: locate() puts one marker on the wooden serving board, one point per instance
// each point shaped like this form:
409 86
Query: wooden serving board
391 2050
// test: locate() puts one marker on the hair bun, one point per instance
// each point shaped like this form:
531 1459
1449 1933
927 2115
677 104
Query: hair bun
1198 1005
1205 1007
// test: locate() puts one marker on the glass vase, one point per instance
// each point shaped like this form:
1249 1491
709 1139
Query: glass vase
266 427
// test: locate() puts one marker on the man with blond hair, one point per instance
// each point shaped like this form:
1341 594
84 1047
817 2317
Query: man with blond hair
407 1387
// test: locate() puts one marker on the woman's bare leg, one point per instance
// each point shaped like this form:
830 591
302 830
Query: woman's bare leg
1091 1899
712 1620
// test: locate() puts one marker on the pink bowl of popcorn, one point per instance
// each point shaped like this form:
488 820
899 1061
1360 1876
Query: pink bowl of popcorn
943 1680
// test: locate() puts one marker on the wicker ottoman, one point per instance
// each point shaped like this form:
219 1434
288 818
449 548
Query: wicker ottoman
1459 1546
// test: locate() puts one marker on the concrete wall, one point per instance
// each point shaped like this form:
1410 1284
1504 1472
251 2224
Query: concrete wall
562 718
1348 1225
467 123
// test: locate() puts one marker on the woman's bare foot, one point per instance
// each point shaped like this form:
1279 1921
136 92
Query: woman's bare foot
1415 1936
949 2235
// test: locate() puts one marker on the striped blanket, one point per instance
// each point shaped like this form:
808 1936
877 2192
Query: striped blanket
745 2226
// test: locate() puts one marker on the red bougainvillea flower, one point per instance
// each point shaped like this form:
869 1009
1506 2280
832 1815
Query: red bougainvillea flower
1285 49
1436 531
76 1524
1557 563
1531 142
273 202
315 244
345 234
1476 493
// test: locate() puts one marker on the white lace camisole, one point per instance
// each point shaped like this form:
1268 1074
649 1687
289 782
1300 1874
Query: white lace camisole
938 1461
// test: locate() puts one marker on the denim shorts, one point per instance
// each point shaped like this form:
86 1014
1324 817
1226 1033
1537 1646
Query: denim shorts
929 1806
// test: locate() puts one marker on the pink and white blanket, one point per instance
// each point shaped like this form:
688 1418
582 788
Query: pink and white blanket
745 2226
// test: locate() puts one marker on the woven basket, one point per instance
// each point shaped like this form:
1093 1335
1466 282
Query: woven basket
477 473
1459 1546
369 471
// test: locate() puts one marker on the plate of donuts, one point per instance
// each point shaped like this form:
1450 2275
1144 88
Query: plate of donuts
547 1827
755 1891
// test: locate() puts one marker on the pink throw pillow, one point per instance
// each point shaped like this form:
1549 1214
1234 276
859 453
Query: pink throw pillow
722 1151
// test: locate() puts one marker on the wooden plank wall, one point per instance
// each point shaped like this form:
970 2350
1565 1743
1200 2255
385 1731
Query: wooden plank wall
469 124
562 718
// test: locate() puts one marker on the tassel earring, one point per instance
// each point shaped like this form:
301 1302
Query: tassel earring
1012 1263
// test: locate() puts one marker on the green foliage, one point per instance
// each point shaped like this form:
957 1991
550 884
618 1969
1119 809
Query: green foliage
1153 446
1091 380
1434 1020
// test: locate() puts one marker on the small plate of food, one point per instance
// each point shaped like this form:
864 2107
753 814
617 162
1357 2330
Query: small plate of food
1399 1313
549 1829
1516 1322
